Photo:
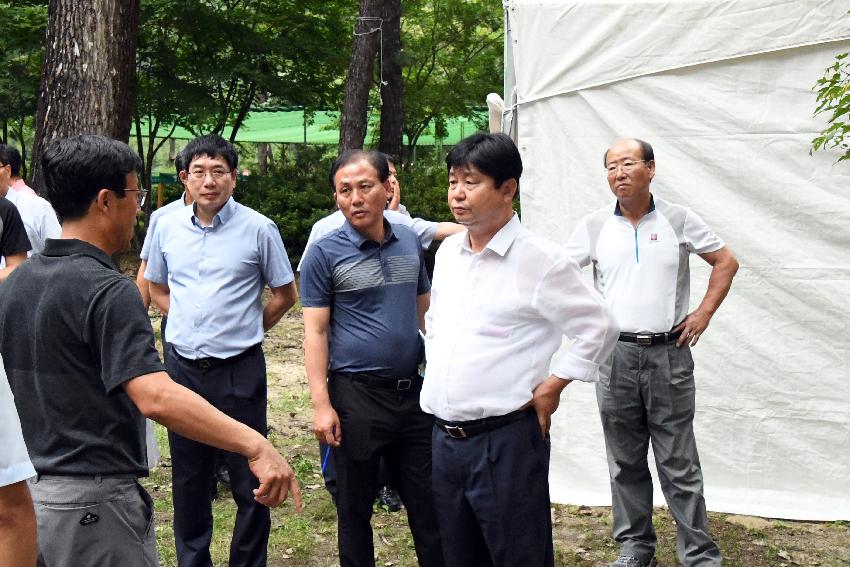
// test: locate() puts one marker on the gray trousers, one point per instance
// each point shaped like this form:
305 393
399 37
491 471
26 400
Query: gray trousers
103 521
650 396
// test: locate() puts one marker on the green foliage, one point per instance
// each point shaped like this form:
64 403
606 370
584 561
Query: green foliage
452 57
210 62
424 188
21 54
833 98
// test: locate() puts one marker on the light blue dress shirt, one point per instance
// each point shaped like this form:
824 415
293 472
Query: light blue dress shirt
216 276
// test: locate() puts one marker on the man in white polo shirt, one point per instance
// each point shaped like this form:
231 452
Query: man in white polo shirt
639 247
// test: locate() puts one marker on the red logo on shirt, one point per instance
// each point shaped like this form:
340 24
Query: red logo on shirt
653 236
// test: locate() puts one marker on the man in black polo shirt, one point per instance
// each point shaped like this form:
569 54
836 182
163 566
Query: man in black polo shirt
365 292
84 371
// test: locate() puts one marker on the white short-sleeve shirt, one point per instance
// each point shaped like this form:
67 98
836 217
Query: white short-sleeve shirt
643 272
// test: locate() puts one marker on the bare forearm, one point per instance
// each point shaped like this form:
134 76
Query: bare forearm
161 296
280 302
446 229
316 364
188 414
142 284
17 526
719 283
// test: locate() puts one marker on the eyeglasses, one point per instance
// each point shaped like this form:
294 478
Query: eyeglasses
142 194
216 174
627 165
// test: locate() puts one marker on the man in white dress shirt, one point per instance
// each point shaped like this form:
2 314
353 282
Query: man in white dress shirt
501 301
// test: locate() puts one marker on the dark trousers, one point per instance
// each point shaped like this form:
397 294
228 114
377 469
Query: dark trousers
239 390
329 471
492 491
377 423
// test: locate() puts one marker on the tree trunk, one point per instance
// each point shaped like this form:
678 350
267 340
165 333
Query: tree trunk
263 155
392 88
361 71
88 80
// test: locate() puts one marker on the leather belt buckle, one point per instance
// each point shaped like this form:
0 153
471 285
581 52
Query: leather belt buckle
455 431
404 384
204 364
644 340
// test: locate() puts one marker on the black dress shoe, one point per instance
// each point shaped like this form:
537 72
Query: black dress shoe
389 498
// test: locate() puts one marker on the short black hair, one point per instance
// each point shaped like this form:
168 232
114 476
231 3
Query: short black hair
9 155
78 167
213 146
375 158
646 152
389 158
179 163
494 155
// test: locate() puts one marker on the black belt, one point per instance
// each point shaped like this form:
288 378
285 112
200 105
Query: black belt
210 362
126 476
465 429
650 339
375 381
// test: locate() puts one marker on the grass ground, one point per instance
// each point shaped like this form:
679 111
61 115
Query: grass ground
581 534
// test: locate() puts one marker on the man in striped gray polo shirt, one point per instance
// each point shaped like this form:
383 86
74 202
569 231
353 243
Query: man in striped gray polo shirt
365 292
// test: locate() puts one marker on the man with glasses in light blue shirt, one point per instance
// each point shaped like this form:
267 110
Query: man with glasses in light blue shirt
207 269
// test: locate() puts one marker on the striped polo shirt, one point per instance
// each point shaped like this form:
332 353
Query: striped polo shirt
371 288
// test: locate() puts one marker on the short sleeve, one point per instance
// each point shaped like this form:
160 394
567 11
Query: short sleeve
15 464
578 246
316 279
120 334
274 262
425 230
14 238
699 237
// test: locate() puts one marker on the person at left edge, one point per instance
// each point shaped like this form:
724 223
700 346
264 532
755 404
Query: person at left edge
365 290
14 242
207 269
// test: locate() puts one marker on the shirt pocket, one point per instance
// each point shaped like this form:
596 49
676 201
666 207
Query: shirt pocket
495 331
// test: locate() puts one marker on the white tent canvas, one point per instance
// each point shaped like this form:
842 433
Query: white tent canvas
723 92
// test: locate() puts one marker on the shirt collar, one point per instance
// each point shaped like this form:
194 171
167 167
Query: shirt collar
359 240
19 185
72 246
651 208
502 240
221 217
